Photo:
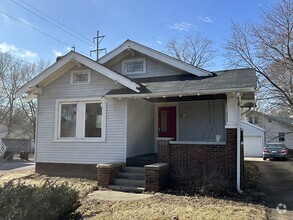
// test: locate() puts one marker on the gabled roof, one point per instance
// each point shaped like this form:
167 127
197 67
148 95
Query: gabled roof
129 44
226 81
74 57
252 125
282 120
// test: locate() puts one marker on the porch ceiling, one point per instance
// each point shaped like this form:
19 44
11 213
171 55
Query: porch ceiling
188 98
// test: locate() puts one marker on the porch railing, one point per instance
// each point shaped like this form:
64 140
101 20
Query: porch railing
2 148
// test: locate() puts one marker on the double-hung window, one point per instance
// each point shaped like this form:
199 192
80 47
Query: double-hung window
80 120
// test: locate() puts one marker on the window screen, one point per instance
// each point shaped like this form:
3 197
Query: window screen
93 120
68 120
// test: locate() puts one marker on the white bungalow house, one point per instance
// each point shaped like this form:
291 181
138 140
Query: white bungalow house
136 101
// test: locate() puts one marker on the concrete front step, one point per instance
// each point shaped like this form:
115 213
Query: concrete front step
129 182
133 170
127 188
130 179
136 176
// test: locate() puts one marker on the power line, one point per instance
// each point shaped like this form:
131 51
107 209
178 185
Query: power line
38 30
51 22
42 32
58 22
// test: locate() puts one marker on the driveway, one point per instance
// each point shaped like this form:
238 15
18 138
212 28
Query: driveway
277 184
16 165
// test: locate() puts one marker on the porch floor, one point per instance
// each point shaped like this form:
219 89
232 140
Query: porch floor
142 160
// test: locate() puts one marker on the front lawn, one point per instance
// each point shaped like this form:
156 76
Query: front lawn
159 206
164 206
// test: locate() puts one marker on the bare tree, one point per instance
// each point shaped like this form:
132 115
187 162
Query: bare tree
17 115
195 50
267 46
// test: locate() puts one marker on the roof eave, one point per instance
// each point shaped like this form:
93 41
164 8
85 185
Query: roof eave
76 57
178 93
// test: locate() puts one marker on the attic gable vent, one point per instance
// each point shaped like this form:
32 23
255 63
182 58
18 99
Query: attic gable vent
134 66
80 77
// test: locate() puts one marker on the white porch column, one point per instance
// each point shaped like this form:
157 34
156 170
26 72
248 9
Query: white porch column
233 111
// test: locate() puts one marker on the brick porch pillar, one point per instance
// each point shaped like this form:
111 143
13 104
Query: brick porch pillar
231 155
157 176
163 150
107 172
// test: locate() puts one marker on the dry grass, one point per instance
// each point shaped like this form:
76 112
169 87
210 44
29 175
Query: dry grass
29 177
159 206
164 206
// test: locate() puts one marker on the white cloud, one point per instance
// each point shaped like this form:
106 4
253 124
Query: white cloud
28 53
183 26
16 51
158 41
5 48
204 19
68 49
57 53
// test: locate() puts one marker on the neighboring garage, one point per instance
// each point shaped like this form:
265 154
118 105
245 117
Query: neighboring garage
253 138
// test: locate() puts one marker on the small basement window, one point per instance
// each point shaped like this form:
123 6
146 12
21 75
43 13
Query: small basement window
80 77
134 66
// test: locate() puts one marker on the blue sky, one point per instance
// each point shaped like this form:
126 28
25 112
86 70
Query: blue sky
150 22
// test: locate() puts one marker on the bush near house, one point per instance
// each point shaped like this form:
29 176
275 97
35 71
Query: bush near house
49 201
201 180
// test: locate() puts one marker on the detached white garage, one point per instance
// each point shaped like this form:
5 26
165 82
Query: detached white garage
253 138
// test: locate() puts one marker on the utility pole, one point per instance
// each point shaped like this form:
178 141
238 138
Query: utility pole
97 40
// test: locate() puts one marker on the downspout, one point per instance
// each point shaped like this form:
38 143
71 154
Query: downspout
238 144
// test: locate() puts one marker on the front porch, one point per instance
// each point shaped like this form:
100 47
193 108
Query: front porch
142 160
186 120
169 138
175 163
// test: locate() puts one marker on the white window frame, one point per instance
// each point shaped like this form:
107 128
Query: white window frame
85 71
80 120
124 62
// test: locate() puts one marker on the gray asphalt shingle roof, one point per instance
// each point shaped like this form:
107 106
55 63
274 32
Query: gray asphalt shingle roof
228 79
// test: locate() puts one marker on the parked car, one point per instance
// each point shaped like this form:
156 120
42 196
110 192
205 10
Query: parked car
275 150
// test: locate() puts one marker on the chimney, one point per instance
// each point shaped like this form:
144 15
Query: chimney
59 58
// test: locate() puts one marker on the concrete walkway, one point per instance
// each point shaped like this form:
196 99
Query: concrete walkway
16 165
108 195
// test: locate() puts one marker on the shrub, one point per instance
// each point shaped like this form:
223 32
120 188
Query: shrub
19 201
200 180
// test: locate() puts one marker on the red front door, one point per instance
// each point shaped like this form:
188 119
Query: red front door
167 122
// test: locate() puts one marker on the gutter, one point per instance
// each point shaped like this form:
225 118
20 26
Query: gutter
178 93
238 171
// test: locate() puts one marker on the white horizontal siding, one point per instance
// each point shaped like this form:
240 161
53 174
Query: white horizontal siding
140 128
112 150
201 120
154 68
